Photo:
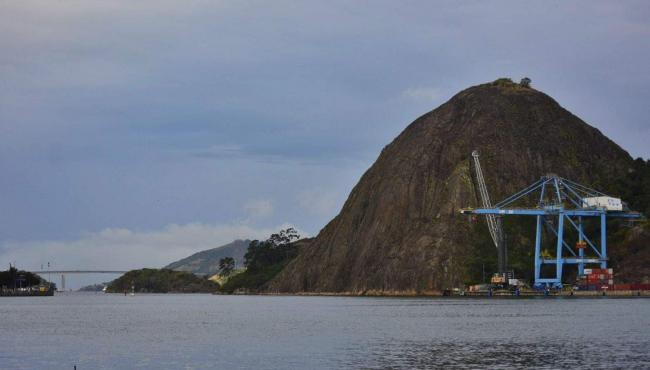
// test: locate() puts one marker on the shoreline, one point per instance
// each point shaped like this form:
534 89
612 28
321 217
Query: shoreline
481 294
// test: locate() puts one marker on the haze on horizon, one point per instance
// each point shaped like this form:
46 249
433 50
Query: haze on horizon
136 133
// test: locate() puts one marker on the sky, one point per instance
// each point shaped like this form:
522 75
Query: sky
134 133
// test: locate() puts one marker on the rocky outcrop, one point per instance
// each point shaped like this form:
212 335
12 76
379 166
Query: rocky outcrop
400 229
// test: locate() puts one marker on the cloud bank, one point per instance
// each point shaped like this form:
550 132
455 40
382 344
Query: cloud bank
225 119
120 249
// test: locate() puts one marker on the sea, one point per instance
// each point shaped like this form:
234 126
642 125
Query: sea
194 331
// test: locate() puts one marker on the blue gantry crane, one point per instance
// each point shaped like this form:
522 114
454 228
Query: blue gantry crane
558 202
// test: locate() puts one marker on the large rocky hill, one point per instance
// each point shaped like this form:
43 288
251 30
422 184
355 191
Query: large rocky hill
400 229
207 262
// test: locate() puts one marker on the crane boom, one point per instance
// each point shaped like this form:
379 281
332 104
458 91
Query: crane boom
485 199
493 221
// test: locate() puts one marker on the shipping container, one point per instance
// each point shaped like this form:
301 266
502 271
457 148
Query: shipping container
478 287
596 287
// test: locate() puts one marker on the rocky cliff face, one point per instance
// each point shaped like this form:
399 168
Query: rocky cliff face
400 229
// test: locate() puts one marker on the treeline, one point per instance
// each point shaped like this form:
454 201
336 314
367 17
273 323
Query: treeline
161 281
263 260
14 278
634 188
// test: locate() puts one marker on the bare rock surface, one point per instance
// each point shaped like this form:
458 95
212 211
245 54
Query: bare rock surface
400 229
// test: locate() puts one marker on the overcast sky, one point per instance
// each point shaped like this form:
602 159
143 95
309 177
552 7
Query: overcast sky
133 133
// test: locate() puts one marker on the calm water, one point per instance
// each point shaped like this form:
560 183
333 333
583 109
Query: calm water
98 331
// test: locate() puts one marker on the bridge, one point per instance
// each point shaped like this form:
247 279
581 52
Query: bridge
64 272
80 272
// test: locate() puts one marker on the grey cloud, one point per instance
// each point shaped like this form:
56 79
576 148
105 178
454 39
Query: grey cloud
138 115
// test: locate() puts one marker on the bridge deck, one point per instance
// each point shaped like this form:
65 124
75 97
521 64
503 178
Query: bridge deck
80 272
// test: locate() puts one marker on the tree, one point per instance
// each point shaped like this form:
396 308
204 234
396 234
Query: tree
14 278
226 265
284 237
525 82
264 260
276 249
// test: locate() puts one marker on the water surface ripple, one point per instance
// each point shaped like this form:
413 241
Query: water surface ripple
100 331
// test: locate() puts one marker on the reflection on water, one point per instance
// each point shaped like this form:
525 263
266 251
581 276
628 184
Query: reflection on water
97 331
481 355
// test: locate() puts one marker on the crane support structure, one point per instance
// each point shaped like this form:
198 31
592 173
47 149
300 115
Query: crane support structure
562 204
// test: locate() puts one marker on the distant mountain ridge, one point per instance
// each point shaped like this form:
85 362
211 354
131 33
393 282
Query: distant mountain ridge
207 262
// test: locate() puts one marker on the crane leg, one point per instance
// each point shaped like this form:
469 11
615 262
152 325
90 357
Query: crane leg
538 250
501 253
559 262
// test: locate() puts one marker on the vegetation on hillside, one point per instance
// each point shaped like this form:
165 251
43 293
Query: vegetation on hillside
503 81
14 278
510 85
93 288
630 252
635 187
263 261
161 281
226 266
